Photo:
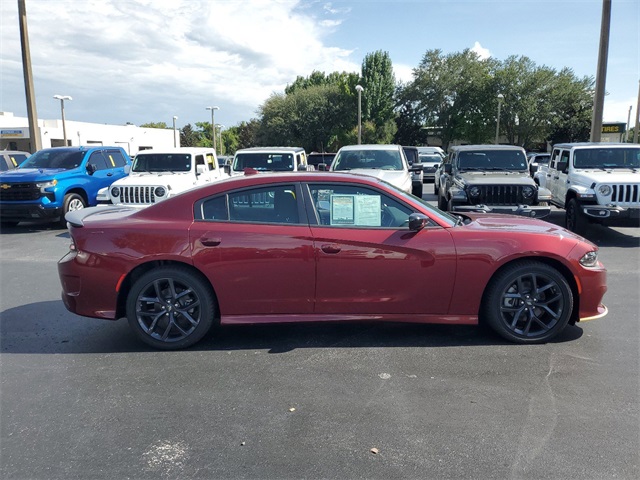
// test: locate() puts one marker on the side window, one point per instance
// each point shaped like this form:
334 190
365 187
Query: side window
97 159
555 158
273 204
355 206
563 164
211 163
215 209
115 159
199 160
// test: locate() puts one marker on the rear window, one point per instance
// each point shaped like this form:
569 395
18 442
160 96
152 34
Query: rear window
277 162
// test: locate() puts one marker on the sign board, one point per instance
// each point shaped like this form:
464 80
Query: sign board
4 133
614 127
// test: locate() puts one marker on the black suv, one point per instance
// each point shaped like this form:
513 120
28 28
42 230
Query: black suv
490 178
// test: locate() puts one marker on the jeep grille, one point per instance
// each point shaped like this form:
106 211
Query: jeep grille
20 192
502 195
626 195
136 195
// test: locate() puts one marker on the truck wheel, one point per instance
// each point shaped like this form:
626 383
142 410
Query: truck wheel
442 203
417 191
575 220
435 188
72 202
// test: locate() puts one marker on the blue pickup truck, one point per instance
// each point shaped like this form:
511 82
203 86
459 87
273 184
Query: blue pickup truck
54 181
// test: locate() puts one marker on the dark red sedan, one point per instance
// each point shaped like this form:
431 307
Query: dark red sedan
305 247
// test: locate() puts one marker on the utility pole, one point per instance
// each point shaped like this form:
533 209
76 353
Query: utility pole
637 127
601 75
34 131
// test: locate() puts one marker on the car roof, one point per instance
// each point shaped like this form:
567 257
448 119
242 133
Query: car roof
269 149
464 148
595 145
176 150
370 147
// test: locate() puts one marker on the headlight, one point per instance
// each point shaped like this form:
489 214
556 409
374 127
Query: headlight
527 192
604 190
115 192
589 259
160 191
474 191
50 183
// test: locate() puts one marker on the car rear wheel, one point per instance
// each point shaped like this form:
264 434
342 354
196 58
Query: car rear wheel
170 308
442 203
435 188
528 302
417 191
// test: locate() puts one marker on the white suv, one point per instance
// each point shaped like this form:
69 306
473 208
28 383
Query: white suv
270 159
387 162
594 183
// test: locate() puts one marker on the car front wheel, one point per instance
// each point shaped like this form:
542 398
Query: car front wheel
72 202
170 308
528 302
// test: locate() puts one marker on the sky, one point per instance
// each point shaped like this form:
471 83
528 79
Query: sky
142 61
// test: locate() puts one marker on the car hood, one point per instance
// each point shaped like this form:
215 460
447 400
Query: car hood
512 223
612 175
30 174
155 179
506 178
395 177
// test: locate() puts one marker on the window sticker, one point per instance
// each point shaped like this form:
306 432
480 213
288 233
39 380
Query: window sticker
15 164
113 164
357 210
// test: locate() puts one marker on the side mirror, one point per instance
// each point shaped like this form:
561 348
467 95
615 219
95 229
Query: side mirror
200 169
91 168
323 167
227 168
127 169
417 221
562 166
416 167
448 169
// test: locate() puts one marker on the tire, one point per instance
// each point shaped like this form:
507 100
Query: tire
8 223
435 188
417 191
528 302
442 203
170 308
574 219
72 202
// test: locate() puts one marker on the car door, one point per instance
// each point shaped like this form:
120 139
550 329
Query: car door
369 262
103 176
255 247
559 178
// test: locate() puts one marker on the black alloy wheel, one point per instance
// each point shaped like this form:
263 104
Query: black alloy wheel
528 302
170 308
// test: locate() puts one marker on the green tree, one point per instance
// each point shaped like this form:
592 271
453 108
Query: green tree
155 125
188 137
378 96
572 108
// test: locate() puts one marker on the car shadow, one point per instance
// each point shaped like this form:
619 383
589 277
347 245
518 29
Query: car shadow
33 226
48 328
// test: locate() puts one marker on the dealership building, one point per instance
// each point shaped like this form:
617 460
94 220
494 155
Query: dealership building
15 135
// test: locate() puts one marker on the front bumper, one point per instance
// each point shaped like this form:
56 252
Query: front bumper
612 214
521 210
17 212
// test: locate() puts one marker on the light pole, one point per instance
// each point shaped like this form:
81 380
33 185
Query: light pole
213 127
62 98
220 127
359 89
175 142
500 99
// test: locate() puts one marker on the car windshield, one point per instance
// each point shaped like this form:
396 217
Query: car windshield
375 159
63 159
435 158
607 157
492 160
275 162
162 162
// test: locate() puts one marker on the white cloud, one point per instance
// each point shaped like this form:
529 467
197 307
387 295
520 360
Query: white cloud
403 73
618 110
482 52
156 59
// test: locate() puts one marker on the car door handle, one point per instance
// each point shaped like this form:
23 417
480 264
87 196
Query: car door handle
330 248
109 174
210 241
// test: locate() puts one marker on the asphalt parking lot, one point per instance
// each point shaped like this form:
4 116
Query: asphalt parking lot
81 398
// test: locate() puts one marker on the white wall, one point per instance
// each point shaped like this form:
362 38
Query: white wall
130 137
